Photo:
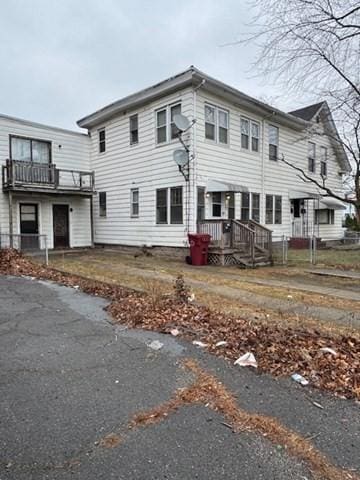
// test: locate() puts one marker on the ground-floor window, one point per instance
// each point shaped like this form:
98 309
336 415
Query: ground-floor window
134 202
273 209
245 206
102 204
230 200
324 216
200 204
255 207
169 202
216 204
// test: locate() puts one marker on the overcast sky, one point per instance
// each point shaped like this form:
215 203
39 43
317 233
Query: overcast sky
63 59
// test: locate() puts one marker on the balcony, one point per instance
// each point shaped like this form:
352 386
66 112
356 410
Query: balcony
43 178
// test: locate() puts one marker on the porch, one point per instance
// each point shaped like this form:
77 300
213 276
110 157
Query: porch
22 176
237 242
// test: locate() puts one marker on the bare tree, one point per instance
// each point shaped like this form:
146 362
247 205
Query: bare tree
313 47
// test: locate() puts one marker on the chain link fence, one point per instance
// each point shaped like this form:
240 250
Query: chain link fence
29 244
290 251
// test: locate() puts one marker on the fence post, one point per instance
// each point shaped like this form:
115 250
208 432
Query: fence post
311 249
314 250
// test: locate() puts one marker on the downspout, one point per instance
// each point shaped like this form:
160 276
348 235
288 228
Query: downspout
194 150
263 202
11 223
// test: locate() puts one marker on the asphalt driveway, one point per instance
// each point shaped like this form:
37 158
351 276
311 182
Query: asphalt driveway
68 378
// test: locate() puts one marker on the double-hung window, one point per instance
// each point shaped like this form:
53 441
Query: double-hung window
250 134
102 140
172 197
166 129
200 203
324 216
245 206
273 209
216 204
273 142
216 124
255 207
134 129
102 204
134 202
311 156
323 161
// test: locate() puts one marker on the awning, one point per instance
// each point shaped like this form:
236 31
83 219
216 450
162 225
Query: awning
300 195
331 203
216 186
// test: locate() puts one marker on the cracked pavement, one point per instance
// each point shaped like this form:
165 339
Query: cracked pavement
69 377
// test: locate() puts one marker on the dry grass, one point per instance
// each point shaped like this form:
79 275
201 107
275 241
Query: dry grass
118 272
207 390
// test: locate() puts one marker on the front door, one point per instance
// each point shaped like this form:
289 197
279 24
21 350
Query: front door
297 209
29 226
61 226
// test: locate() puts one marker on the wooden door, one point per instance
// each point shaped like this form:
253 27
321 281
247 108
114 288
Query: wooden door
61 226
29 226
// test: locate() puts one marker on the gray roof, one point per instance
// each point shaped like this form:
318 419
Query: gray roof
190 77
309 112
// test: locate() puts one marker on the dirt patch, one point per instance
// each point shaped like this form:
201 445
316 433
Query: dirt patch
280 349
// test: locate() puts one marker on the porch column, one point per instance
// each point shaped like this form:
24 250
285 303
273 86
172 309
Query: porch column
92 220
11 226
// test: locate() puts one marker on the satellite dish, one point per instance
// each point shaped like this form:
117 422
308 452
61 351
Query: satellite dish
181 157
182 122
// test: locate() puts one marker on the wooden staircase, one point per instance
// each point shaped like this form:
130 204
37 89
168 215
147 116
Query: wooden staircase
235 242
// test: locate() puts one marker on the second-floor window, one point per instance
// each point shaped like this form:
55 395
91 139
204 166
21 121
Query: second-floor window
273 142
102 140
30 150
250 134
323 161
134 129
311 156
165 127
216 124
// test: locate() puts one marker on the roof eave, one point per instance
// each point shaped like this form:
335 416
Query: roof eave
136 100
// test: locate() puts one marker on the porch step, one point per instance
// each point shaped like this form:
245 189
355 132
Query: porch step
235 257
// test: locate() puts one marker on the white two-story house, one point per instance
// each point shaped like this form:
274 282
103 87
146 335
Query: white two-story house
236 186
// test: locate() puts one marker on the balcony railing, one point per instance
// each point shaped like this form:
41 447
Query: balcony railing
17 174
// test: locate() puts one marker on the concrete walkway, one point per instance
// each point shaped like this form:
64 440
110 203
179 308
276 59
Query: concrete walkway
69 378
286 306
335 273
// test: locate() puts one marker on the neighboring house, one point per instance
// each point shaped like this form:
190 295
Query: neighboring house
46 184
238 189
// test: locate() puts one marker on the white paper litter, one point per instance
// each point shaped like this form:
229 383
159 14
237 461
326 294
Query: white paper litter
328 350
175 332
300 379
221 343
155 345
246 360
199 344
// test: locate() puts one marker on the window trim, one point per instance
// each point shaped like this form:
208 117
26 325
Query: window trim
134 115
168 122
171 222
270 125
217 110
102 129
132 203
31 139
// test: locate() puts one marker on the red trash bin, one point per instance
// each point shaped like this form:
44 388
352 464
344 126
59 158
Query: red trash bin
199 245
